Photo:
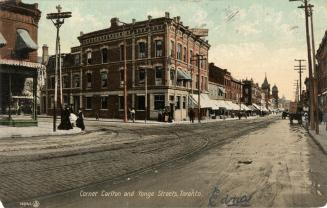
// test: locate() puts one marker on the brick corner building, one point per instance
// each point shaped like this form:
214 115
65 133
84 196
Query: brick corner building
93 72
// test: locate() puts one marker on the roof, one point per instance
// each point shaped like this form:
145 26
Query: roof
265 84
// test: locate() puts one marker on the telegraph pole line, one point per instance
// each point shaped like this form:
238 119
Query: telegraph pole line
315 79
306 12
300 68
58 20
296 90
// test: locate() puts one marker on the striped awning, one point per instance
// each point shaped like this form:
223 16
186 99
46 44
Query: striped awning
3 41
24 41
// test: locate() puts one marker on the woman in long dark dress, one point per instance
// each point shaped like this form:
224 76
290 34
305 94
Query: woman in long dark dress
80 120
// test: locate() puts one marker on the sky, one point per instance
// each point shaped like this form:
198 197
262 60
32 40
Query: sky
250 38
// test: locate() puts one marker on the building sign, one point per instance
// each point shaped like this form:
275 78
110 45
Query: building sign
199 32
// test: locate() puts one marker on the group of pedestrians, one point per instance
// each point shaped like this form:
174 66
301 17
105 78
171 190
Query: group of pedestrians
68 119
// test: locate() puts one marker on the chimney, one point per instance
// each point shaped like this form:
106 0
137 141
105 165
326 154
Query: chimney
81 33
114 22
175 19
178 18
45 54
167 14
133 21
149 17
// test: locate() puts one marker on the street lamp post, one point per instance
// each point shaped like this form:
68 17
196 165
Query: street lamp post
58 20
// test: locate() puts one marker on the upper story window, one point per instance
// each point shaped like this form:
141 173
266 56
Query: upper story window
104 79
179 51
89 80
65 81
184 54
122 54
89 57
158 48
76 59
158 72
197 61
172 50
142 49
141 75
104 54
76 80
191 57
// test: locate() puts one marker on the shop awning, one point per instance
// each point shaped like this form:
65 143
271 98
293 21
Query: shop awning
24 41
251 107
205 101
182 75
256 106
232 105
244 107
3 41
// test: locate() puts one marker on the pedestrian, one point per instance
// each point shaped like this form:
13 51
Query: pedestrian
65 123
80 120
191 115
133 114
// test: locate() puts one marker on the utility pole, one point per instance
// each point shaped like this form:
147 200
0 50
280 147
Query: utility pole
199 58
58 20
296 85
306 11
300 68
315 79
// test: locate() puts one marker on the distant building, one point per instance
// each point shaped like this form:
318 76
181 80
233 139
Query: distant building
93 77
322 74
18 57
266 89
275 96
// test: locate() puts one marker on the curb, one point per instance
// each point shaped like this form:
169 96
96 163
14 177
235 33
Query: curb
317 142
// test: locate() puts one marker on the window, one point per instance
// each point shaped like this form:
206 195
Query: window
104 53
65 81
158 72
142 49
184 54
121 102
141 102
77 60
158 46
51 101
121 73
122 55
88 102
52 82
104 102
65 97
197 62
179 51
159 102
104 79
197 82
178 102
191 56
172 51
172 75
89 57
76 80
184 102
141 75
89 80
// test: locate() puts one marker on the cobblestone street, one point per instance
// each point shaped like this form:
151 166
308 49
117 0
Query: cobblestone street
40 166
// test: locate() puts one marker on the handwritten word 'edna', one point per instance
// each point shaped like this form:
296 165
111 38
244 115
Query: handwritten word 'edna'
228 200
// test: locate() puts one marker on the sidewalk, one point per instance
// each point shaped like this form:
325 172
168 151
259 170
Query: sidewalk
43 129
320 139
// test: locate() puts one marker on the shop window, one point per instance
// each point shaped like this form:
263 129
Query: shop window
184 102
141 102
159 102
178 102
121 102
88 102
